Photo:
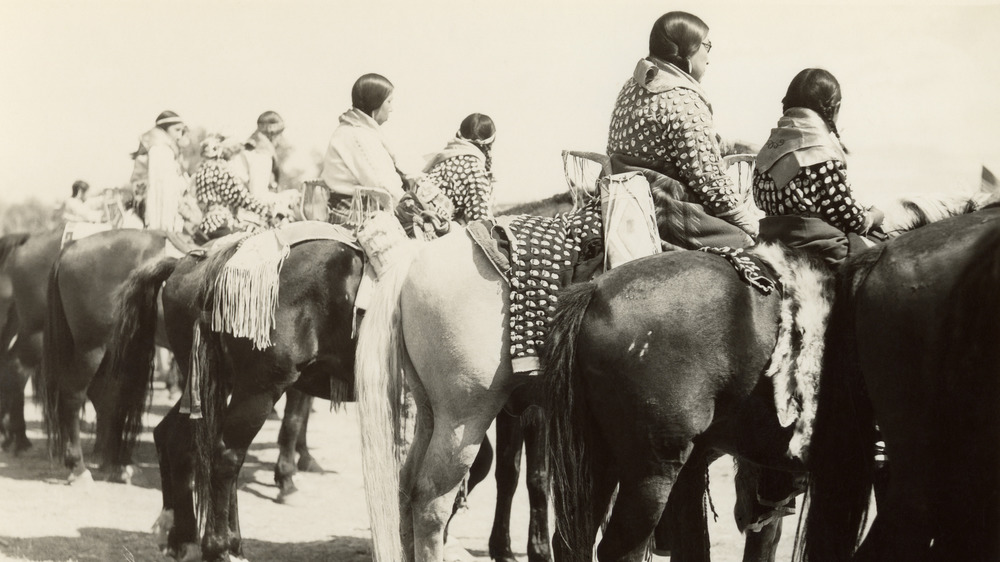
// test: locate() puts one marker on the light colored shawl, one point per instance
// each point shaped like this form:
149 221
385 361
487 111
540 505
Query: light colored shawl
657 76
802 134
457 146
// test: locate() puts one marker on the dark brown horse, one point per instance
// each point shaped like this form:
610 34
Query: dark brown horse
656 364
82 286
914 345
26 268
12 426
312 349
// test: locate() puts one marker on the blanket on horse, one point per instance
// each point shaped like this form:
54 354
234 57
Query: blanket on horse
805 288
246 291
537 256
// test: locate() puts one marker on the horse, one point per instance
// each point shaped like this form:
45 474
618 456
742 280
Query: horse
12 425
81 288
26 267
913 346
657 362
312 349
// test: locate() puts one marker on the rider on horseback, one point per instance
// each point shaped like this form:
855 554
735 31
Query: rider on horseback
358 155
662 127
463 168
801 177
224 198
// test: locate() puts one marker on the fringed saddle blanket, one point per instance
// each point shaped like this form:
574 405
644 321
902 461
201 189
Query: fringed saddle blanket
806 299
537 256
246 291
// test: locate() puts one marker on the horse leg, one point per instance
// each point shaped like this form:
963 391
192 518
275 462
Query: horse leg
450 453
682 532
12 382
533 427
246 413
478 472
306 462
423 429
638 507
297 406
510 438
177 527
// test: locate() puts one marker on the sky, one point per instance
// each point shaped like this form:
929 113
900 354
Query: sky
82 80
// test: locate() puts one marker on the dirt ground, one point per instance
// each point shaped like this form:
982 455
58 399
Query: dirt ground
44 519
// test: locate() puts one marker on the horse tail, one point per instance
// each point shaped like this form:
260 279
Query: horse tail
380 360
57 341
841 453
209 372
968 393
571 434
129 356
9 243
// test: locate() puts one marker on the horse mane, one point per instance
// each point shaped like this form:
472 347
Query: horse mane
913 211
543 207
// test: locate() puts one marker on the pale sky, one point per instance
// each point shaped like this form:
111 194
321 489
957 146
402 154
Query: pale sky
82 80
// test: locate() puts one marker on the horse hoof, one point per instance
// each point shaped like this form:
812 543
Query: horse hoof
123 475
189 552
21 445
309 465
291 497
83 478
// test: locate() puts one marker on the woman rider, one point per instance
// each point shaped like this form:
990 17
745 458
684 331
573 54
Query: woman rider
662 126
800 181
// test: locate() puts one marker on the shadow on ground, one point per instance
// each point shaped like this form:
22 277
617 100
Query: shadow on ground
111 545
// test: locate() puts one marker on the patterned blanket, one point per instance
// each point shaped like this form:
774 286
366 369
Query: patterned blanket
537 256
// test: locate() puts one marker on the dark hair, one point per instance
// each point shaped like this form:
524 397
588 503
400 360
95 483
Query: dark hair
479 129
815 89
675 37
80 185
270 122
370 92
166 119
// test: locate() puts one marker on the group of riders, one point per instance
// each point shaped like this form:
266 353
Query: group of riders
661 125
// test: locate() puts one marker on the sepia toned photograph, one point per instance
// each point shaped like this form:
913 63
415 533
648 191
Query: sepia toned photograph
543 281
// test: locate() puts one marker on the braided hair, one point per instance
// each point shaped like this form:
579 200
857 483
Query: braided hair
369 92
479 129
675 37
818 90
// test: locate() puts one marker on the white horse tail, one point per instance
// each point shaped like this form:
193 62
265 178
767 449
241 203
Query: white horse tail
380 386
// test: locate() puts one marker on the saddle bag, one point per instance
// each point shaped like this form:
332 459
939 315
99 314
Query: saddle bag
629 219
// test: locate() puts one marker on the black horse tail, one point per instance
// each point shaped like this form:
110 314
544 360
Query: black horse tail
129 356
968 398
9 243
57 341
571 435
841 454
209 372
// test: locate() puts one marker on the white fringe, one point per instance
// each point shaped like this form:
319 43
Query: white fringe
797 358
246 291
